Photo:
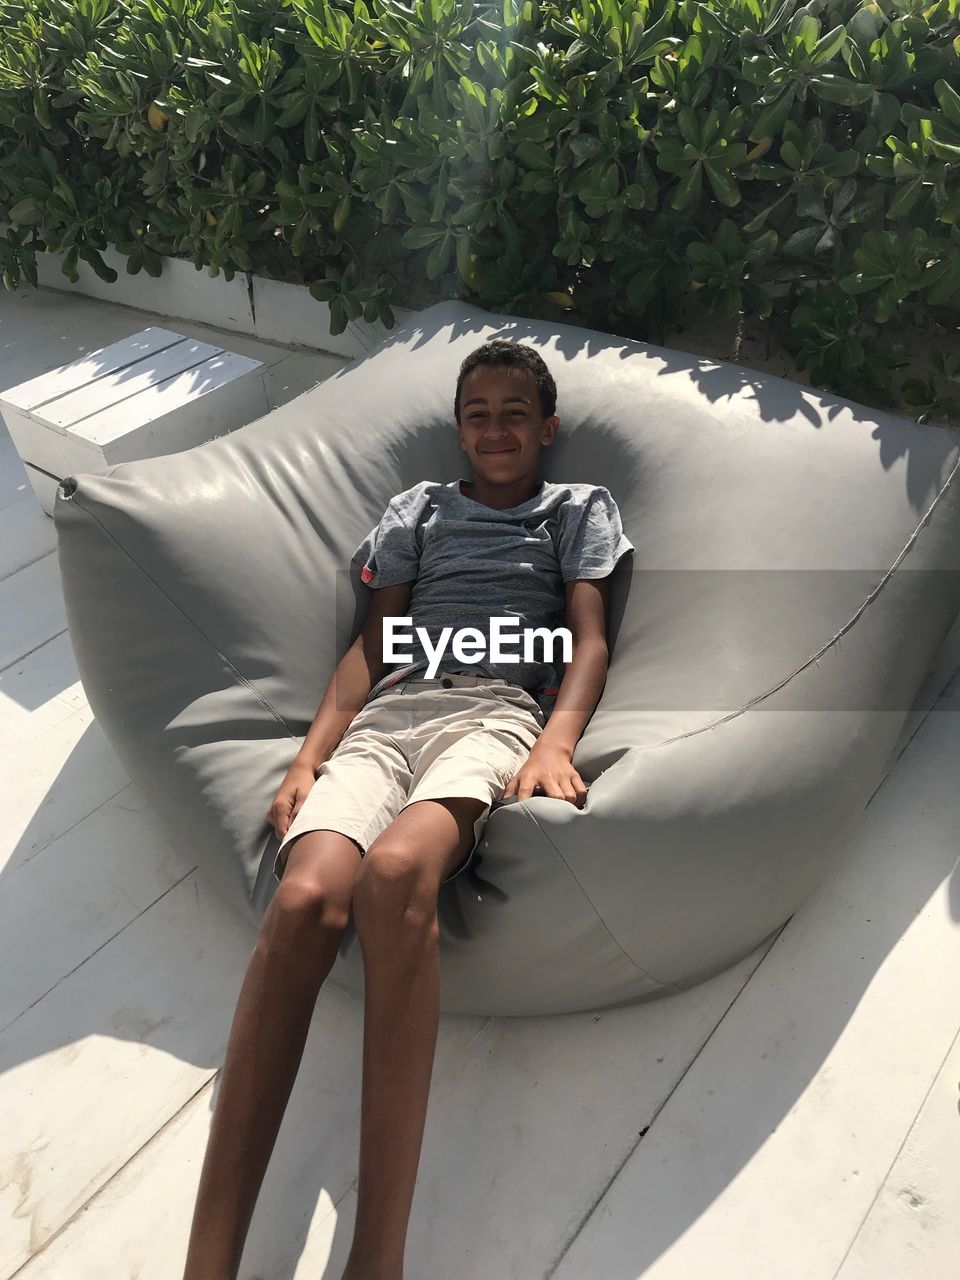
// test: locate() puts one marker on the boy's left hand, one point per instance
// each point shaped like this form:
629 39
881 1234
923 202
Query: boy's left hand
548 769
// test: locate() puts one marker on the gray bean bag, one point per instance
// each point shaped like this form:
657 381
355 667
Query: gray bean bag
796 571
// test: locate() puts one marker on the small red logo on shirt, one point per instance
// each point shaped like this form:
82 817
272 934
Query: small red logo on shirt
366 574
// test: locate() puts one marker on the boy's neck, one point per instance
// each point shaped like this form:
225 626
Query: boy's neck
500 497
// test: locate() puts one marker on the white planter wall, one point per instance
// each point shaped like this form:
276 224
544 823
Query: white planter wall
267 309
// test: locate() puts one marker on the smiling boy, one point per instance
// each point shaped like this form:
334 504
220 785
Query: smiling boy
389 793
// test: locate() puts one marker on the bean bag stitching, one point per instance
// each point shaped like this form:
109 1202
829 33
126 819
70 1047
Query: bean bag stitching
846 627
240 677
586 895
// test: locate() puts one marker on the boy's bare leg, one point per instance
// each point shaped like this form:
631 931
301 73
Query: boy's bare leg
299 936
395 913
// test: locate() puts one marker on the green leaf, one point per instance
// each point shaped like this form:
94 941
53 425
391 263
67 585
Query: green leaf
193 122
949 101
585 146
300 236
99 266
640 288
724 185
25 213
770 120
945 283
311 137
839 89
338 317
859 283
610 182
905 199
801 241
828 45
672 157
534 156
295 111
688 189
689 127
805 31
420 237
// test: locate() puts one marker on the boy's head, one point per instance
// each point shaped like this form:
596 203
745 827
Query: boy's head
505 408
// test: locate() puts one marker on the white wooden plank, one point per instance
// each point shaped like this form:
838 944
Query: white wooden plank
123 386
912 1230
770 1152
31 608
171 397
26 534
139 1224
86 369
94 1069
538 1120
236 403
39 691
295 375
84 887
14 485
54 781
49 450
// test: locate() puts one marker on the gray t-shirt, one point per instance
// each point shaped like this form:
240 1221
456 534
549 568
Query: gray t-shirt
470 563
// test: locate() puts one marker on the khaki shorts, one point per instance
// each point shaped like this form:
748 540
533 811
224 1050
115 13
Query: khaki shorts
456 735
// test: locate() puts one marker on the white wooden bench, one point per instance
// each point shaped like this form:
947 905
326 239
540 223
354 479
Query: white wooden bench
149 394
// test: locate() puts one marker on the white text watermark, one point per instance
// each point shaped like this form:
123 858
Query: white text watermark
469 644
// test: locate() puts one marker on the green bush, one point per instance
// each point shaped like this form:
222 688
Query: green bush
605 162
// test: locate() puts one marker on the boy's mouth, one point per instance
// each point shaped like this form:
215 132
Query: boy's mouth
498 451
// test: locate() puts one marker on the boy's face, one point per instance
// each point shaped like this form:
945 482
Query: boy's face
501 427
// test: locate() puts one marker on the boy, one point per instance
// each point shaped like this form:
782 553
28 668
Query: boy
394 782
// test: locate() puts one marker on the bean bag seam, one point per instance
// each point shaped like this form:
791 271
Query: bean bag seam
834 639
629 958
237 674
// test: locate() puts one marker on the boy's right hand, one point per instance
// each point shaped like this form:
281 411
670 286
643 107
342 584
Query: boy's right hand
288 801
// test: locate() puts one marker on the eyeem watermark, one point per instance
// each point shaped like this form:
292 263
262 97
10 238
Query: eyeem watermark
470 645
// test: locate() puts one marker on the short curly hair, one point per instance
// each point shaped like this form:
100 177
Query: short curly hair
500 351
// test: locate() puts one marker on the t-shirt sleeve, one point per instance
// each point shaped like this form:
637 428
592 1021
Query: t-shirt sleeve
592 541
389 553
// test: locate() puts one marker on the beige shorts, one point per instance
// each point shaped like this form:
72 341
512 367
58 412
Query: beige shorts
456 735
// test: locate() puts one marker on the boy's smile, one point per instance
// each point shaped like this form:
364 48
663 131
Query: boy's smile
502 432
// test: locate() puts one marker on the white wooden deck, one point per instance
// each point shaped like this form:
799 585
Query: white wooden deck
794 1117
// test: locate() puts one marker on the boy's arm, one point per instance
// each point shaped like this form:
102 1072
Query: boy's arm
357 672
588 601
548 767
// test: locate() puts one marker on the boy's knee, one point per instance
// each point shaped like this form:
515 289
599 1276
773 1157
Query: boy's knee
393 883
302 901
